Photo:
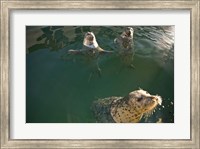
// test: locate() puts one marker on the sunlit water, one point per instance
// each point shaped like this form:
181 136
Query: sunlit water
61 89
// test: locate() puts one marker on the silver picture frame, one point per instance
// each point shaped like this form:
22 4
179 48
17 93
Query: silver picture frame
193 6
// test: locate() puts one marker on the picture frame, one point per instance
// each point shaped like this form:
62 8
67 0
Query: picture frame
8 6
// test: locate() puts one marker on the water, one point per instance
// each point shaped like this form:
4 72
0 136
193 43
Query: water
61 89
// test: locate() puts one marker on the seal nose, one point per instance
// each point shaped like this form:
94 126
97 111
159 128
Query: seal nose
157 99
88 33
128 33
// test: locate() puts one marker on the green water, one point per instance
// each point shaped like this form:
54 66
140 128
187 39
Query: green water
61 89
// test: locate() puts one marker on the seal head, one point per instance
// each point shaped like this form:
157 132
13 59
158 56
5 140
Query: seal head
132 107
90 40
125 40
128 32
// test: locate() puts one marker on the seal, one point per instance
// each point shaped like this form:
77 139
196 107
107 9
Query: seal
91 51
124 42
128 109
90 46
125 47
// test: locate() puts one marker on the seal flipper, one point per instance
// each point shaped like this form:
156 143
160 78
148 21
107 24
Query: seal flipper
67 55
71 52
97 70
102 51
105 52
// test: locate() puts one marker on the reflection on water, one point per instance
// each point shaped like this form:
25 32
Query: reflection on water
60 88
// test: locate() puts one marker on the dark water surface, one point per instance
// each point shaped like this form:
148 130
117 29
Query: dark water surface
61 89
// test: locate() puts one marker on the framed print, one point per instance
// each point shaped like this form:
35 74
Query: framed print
100 74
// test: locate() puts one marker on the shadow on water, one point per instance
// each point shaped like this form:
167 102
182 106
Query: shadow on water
58 90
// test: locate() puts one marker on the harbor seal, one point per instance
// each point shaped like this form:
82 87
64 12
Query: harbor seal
125 47
91 51
128 109
124 42
90 46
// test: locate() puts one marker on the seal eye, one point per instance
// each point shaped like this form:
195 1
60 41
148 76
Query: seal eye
139 98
